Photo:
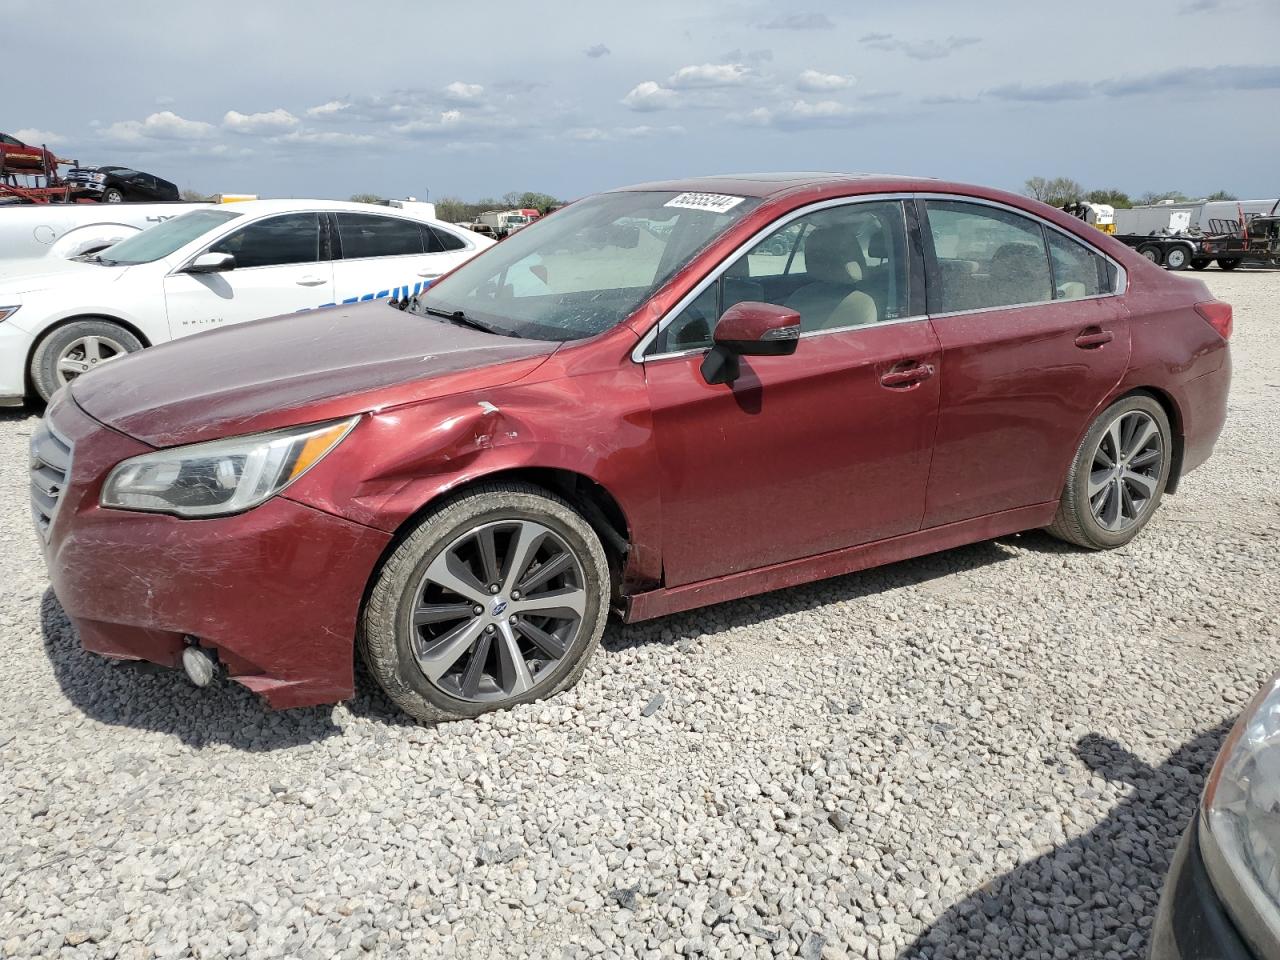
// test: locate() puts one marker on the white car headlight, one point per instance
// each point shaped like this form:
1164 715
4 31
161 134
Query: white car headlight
1240 819
221 477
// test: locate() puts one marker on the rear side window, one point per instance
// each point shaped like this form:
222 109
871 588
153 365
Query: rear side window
985 258
1077 270
441 241
275 241
369 235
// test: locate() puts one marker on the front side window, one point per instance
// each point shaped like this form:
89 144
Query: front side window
584 270
165 238
838 268
985 258
274 241
1077 271
369 235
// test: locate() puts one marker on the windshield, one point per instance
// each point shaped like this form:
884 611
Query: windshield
164 238
580 272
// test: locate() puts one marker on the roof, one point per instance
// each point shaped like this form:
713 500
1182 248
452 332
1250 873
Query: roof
256 207
773 184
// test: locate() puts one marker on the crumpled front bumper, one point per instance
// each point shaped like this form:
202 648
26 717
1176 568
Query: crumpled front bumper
274 592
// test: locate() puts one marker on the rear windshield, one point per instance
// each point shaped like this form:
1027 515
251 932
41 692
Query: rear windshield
580 271
159 241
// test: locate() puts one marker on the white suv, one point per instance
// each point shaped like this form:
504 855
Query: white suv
208 268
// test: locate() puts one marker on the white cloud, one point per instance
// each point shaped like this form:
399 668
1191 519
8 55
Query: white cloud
596 51
800 21
328 109
917 49
325 137
650 95
165 125
814 81
274 121
801 114
464 92
712 75
33 136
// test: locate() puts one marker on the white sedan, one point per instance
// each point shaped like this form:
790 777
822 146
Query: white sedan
209 268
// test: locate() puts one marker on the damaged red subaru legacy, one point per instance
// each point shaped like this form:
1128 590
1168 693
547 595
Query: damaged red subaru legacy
657 398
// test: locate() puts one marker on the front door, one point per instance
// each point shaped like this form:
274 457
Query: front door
808 453
281 267
1033 340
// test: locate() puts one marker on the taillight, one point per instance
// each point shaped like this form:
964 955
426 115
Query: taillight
1218 316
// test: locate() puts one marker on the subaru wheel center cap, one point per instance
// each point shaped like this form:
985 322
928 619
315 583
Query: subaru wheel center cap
498 607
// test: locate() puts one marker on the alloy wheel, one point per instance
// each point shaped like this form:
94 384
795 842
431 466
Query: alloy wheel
497 610
1125 472
83 354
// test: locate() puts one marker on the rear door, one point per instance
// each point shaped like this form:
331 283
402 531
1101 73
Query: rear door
1034 337
282 266
824 449
382 256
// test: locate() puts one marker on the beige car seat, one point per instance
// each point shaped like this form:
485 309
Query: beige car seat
833 261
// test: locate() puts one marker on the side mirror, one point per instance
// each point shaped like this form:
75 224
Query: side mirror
211 263
750 329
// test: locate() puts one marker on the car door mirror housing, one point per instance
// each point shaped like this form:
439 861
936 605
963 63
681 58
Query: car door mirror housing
750 329
211 263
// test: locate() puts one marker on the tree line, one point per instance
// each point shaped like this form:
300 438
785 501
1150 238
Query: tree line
457 210
1059 191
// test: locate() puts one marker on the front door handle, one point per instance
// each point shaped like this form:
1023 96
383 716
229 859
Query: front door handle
1091 337
429 274
309 281
907 375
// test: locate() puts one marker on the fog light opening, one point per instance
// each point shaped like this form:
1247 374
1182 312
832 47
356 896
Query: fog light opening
200 667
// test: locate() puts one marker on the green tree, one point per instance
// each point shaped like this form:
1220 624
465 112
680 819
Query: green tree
1175 196
1116 198
1055 192
366 198
1221 195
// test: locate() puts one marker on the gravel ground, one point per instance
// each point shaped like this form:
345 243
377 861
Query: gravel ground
989 752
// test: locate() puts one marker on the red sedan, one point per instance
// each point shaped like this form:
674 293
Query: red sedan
661 397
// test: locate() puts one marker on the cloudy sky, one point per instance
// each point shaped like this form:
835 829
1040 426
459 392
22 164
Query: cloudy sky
467 98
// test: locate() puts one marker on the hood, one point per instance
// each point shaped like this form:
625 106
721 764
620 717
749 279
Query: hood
34 274
301 368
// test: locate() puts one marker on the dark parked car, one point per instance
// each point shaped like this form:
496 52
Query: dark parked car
1222 897
466 485
16 155
119 184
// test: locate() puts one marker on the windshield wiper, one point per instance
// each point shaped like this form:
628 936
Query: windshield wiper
460 318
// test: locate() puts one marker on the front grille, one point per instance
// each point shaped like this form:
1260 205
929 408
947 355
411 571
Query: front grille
50 468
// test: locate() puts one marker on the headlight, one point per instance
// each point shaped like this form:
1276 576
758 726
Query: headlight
222 477
99 178
1240 819
7 312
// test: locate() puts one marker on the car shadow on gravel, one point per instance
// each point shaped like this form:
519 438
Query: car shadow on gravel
1094 896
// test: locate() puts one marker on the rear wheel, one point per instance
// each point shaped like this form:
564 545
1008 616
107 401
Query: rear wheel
1228 264
76 348
496 598
1117 477
1177 258
1152 253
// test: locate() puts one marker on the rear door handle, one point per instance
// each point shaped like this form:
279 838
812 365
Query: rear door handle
907 376
309 281
1091 337
429 274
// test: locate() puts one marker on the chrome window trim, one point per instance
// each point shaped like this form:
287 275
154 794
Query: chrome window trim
638 352
1122 275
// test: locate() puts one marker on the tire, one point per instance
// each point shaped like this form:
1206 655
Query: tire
448 640
74 349
112 195
1228 264
1094 524
1152 253
1177 258
1199 263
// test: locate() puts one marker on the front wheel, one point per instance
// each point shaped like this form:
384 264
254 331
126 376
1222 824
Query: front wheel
1199 263
75 349
496 598
112 195
1117 477
1228 264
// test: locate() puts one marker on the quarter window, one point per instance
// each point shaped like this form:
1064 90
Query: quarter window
838 268
1077 270
441 241
275 241
985 258
369 235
